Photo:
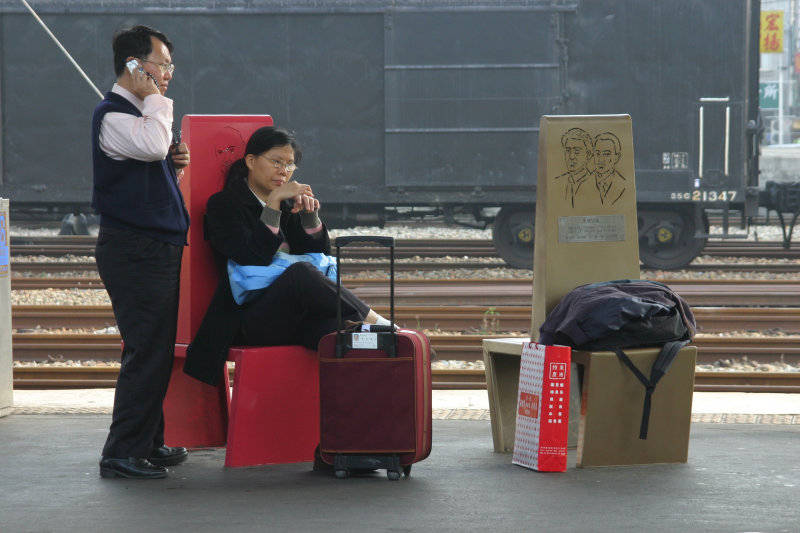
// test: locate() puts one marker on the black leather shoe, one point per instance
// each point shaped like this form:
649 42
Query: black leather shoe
168 456
131 468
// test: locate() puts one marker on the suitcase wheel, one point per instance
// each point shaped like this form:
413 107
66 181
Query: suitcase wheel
345 465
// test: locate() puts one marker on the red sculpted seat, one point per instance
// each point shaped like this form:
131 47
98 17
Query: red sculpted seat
272 415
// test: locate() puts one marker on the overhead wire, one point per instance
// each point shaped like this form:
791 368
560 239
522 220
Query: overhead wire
60 46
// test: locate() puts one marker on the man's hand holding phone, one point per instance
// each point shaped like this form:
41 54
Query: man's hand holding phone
180 155
143 83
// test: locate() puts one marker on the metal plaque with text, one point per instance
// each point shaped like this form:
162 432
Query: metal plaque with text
594 228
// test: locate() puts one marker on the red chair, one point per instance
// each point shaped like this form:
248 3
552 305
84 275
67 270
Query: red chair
272 415
195 414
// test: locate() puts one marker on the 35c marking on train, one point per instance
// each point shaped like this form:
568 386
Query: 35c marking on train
704 196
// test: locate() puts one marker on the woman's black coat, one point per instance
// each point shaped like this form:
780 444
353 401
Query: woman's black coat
233 226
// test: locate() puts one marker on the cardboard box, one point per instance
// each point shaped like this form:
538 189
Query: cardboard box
611 409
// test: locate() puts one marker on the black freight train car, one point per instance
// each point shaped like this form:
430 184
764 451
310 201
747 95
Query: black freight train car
417 108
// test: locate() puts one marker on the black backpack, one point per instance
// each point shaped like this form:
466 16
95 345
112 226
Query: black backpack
627 313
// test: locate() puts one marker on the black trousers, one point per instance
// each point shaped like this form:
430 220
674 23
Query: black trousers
142 277
297 308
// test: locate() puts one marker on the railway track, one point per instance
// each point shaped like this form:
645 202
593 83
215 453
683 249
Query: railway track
76 245
418 256
510 298
79 245
39 284
57 275
500 292
462 318
106 347
518 292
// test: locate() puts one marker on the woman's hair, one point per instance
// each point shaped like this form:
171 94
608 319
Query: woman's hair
262 140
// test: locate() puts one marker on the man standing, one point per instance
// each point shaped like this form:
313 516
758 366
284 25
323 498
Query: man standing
143 226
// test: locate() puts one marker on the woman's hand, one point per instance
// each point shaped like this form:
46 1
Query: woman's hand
305 203
301 193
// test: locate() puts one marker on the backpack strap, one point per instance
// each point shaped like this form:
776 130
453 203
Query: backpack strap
662 363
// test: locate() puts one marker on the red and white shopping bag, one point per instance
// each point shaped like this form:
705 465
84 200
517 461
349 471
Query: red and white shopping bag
543 408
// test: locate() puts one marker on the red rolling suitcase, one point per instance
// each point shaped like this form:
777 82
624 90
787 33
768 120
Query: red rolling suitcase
375 392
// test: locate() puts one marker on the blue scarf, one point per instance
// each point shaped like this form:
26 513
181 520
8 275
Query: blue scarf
249 281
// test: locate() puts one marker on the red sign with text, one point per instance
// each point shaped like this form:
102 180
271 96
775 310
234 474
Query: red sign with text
771 40
543 408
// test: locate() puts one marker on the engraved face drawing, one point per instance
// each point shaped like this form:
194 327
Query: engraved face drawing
576 155
578 152
606 155
228 147
591 179
610 183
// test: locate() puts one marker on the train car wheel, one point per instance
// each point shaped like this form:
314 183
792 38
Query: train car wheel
667 238
513 234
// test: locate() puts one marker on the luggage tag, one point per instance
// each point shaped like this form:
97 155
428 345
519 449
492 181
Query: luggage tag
365 341
367 337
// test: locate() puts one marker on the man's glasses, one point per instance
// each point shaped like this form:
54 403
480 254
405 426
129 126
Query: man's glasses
290 167
165 67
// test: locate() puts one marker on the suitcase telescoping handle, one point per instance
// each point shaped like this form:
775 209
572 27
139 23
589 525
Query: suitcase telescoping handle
382 241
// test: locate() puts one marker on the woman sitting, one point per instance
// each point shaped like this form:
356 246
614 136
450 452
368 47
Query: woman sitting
259 212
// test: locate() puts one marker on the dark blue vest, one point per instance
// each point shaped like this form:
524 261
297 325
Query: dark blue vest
137 195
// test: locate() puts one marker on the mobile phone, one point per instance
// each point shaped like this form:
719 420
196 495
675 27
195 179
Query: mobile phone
134 64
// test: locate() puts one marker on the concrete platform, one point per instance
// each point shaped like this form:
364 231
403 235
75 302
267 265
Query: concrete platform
742 475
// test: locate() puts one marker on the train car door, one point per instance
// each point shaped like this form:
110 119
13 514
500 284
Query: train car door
716 144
